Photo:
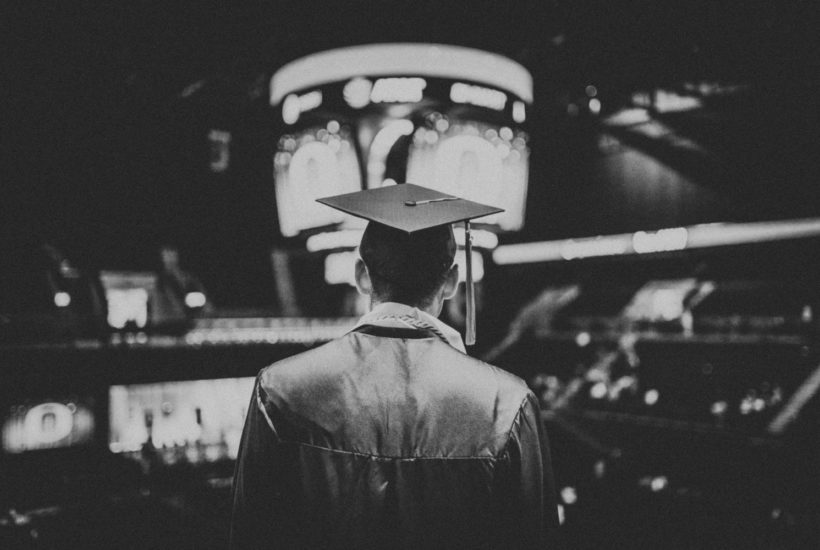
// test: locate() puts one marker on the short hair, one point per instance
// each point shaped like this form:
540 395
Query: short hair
407 268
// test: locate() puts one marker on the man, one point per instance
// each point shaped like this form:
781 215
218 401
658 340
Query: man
391 436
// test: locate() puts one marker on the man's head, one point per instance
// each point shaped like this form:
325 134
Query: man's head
408 248
415 269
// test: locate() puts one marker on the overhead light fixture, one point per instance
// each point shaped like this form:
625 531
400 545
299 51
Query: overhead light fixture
411 59
663 240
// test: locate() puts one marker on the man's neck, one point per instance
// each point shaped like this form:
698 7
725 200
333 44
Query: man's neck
434 309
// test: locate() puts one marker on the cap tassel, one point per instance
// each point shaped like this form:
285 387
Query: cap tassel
469 336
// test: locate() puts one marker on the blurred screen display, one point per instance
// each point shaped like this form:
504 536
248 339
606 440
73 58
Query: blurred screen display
47 424
128 295
481 162
200 420
314 163
661 300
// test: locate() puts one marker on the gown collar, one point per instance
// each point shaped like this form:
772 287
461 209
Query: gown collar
395 315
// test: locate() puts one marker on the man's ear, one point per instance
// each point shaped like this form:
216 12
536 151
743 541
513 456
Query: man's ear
451 283
362 277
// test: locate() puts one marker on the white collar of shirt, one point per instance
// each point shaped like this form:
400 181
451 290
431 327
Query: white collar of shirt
395 315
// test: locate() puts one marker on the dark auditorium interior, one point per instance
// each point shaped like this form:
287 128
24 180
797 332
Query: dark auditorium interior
655 277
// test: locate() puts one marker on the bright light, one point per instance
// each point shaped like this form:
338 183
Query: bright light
651 397
317 167
481 238
465 162
349 238
594 105
596 246
62 299
478 266
290 109
519 112
525 253
340 268
389 60
598 390
46 425
653 129
333 126
721 234
678 238
642 99
670 102
583 339
388 135
660 241
207 414
127 304
478 95
357 92
658 484
398 90
627 117
661 300
381 145
569 495
310 100
719 408
294 105
375 168
195 299
668 303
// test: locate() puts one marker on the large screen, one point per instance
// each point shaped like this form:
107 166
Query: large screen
310 164
479 161
59 422
128 295
200 420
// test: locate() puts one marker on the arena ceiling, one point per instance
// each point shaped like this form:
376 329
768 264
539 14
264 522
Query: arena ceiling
85 77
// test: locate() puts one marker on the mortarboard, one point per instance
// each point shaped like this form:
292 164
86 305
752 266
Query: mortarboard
411 208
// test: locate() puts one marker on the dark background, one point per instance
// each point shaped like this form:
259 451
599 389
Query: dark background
107 107
104 123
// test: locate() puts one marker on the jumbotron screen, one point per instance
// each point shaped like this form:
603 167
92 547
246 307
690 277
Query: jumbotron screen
37 424
199 419
316 162
479 161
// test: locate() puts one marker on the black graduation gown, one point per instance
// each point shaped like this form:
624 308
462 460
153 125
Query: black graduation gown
391 438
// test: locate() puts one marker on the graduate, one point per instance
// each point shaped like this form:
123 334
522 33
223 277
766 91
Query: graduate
392 436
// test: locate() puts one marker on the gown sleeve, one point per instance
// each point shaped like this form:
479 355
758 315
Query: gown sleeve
531 497
256 475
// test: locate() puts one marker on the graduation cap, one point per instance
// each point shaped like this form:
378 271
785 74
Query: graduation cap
412 210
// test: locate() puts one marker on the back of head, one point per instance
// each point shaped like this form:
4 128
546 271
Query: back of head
407 268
